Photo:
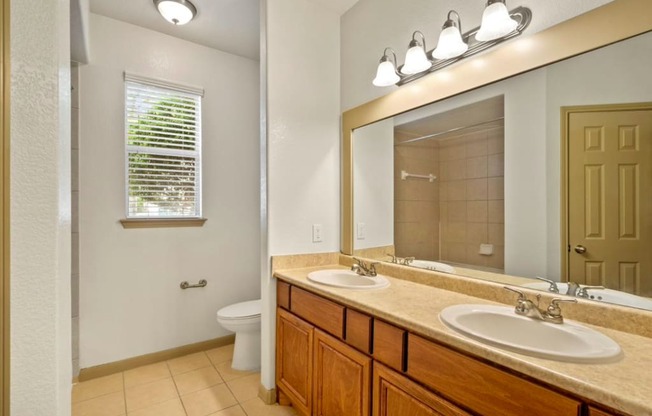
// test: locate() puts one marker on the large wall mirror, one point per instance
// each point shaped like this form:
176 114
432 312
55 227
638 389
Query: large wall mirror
530 176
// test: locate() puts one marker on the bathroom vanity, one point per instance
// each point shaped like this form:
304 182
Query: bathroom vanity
385 352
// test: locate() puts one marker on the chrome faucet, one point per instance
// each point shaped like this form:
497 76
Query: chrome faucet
553 285
572 289
526 307
395 259
408 260
361 268
575 289
582 291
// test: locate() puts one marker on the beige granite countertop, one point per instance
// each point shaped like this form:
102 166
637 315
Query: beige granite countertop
625 385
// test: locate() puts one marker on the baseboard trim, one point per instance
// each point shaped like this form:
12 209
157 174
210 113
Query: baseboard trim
102 370
267 396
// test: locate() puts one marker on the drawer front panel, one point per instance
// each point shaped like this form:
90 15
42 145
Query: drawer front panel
358 330
283 294
389 345
480 387
395 395
320 312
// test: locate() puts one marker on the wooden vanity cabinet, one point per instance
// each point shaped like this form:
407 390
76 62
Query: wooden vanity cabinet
294 358
480 387
395 395
317 373
325 354
342 378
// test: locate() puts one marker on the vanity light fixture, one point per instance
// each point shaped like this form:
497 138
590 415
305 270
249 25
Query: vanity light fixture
415 59
496 21
177 12
498 25
451 44
386 74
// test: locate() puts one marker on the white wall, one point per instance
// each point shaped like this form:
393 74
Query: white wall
40 208
303 145
373 182
130 300
371 25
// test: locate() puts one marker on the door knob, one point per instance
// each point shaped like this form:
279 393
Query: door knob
580 249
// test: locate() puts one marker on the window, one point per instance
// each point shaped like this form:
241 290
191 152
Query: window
163 149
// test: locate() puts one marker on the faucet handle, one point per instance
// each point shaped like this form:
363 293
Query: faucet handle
554 310
521 295
582 291
394 258
553 285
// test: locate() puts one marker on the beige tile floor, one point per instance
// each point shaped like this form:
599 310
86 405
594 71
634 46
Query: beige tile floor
201 384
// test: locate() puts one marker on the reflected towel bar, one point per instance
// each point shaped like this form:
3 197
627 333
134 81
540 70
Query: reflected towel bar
186 285
405 175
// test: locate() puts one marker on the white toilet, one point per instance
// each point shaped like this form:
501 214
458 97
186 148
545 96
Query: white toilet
244 319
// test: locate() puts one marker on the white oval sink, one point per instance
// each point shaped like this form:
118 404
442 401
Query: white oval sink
602 295
501 327
347 279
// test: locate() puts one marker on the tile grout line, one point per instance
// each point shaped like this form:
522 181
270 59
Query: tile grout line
124 391
177 389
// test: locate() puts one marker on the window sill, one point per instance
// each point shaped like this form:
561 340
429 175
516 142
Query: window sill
161 222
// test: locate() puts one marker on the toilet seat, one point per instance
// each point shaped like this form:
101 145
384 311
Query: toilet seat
242 310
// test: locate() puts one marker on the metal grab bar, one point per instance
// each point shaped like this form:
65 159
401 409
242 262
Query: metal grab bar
186 285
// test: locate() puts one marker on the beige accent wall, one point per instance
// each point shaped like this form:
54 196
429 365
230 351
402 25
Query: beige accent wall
416 201
471 184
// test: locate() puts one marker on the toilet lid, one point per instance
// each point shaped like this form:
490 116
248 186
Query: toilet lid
241 310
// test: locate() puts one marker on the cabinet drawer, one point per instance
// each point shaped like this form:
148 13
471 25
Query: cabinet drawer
358 330
597 412
320 312
283 294
389 345
480 387
395 395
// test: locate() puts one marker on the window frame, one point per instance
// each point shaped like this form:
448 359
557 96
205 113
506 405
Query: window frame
135 221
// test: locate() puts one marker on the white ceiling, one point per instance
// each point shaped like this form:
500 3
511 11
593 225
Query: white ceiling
228 25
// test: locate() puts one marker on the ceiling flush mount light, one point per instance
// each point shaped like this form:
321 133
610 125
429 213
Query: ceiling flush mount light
450 43
177 12
498 25
416 59
386 74
496 21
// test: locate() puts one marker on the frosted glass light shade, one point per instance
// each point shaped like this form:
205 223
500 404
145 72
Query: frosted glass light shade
177 12
415 61
496 23
386 75
450 44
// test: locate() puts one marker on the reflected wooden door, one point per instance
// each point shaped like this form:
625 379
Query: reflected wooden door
610 199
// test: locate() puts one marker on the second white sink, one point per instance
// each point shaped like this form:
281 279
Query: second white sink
501 327
348 279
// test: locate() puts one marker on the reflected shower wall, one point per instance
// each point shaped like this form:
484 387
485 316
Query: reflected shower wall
459 217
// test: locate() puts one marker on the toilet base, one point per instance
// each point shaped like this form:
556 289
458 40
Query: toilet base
246 351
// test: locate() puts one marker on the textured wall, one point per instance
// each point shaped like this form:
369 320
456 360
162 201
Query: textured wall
303 140
130 300
40 208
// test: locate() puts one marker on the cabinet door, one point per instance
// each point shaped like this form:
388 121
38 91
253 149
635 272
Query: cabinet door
342 378
395 395
294 348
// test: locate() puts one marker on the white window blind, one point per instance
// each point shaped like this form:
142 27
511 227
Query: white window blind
163 149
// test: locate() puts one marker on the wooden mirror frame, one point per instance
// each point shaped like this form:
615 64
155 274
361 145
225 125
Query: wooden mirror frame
613 22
